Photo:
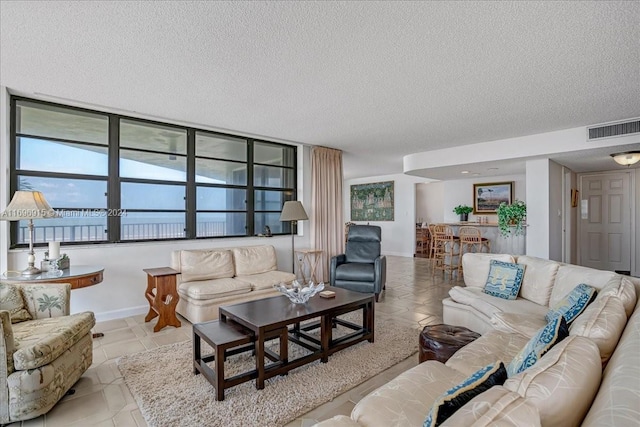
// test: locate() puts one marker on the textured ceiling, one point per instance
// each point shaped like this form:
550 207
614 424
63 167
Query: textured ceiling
378 80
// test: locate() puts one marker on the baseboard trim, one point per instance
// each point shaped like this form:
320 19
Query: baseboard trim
119 314
402 254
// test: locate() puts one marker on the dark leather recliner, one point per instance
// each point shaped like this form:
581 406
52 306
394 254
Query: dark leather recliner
361 268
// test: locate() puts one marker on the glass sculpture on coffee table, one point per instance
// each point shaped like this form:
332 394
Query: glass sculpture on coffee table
298 293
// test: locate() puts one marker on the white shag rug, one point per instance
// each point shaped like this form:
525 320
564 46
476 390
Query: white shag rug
169 394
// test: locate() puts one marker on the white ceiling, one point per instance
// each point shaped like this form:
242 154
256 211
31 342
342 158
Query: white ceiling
378 80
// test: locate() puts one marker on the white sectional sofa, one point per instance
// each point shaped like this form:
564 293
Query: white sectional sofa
567 386
210 278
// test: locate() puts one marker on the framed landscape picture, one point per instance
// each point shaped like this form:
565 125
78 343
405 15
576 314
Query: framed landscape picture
372 202
487 197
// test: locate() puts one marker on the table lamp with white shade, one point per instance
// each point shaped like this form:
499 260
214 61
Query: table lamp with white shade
28 205
293 211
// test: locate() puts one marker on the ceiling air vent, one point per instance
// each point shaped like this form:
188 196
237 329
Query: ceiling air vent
614 129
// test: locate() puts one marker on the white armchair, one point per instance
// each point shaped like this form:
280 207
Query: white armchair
43 349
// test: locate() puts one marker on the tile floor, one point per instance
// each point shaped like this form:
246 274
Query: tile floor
413 296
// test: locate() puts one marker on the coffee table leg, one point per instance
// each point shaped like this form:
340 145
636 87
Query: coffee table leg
325 336
196 353
219 373
284 345
370 319
260 360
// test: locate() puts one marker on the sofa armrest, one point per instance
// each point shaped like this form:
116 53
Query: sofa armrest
45 300
7 347
335 262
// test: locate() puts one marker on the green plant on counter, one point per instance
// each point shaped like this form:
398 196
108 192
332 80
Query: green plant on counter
463 209
511 218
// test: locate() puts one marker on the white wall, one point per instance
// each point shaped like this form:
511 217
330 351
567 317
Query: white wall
460 192
635 230
398 236
435 200
555 210
430 202
537 179
570 218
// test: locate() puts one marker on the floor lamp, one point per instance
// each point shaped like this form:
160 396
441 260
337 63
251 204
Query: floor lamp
293 211
28 205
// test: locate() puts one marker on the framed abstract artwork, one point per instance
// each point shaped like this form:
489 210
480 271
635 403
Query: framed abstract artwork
372 202
487 197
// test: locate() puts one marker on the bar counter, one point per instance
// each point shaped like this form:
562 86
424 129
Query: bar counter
514 245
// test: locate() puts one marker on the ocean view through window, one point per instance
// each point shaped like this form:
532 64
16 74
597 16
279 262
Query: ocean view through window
113 178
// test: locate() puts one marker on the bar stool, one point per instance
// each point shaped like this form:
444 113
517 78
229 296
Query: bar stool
471 240
423 241
432 243
447 247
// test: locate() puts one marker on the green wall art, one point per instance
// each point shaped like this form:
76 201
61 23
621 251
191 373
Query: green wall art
372 202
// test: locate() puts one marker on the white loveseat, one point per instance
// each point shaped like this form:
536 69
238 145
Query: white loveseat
210 278
566 387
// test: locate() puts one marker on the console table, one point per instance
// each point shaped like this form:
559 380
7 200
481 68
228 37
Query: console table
79 276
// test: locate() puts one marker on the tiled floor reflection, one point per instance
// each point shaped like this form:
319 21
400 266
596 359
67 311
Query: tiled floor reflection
413 296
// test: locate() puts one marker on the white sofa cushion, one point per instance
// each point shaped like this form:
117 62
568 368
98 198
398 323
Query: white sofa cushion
496 407
487 349
539 277
488 305
405 400
206 264
570 276
216 288
254 260
622 288
515 323
602 322
268 279
562 383
617 401
476 267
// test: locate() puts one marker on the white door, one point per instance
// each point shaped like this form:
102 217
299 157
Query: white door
605 221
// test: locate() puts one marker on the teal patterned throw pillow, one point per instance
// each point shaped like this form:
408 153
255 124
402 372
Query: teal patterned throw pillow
573 303
551 334
505 279
456 397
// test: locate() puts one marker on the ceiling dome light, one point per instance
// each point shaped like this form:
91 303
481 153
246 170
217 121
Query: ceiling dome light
627 159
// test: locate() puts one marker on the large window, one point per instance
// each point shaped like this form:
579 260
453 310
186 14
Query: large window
114 178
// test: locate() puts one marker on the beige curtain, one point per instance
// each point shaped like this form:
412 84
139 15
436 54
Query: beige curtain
327 228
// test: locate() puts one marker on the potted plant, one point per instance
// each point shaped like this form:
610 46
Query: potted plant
463 211
511 217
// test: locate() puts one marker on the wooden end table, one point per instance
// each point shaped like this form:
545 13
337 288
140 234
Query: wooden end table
163 301
310 258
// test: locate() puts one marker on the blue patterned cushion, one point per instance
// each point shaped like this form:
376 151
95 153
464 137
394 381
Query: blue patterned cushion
505 279
554 332
456 397
573 303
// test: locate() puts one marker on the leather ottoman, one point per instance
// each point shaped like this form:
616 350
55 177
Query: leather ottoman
439 342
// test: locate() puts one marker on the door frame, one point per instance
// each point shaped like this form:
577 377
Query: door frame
632 205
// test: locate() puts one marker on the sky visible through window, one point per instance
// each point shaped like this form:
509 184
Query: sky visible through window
43 155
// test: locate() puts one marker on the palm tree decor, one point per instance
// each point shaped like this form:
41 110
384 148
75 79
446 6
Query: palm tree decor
48 302
511 218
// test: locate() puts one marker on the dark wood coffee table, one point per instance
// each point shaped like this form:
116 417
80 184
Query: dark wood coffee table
267 317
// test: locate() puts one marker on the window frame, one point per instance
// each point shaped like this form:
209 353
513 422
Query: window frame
114 180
